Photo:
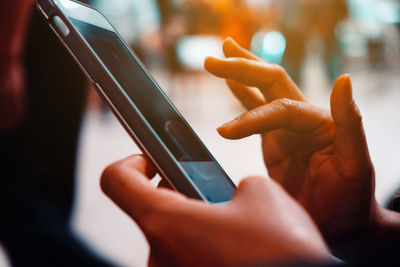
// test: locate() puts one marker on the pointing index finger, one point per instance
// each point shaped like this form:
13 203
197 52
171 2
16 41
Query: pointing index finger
279 114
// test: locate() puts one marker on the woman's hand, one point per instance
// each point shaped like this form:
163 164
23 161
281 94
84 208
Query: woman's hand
262 224
321 158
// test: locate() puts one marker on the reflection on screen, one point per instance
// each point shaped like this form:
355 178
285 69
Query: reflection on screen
172 129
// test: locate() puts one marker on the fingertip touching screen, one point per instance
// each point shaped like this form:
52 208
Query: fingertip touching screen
170 127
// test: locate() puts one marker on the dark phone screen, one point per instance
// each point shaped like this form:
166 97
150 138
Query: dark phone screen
176 135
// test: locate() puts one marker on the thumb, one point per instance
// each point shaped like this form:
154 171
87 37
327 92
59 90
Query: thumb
350 141
126 182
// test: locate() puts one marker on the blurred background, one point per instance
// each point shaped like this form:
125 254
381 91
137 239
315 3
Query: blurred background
314 40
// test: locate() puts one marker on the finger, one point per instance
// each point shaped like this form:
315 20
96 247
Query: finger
255 190
350 141
250 98
127 183
142 164
232 49
250 188
282 113
245 71
271 79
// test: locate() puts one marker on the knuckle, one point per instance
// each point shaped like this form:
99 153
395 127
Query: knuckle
280 71
253 181
242 61
253 113
284 103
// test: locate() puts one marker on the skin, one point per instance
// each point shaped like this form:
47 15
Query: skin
321 158
262 223
14 16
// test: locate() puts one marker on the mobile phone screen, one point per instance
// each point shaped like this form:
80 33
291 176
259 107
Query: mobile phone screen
174 132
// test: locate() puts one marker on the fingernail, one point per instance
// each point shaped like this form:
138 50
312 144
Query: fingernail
228 124
344 82
210 59
207 62
349 87
222 130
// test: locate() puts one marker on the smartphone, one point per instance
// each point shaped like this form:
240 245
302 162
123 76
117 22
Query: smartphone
137 101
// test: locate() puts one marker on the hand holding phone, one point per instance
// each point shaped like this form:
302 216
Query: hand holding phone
250 230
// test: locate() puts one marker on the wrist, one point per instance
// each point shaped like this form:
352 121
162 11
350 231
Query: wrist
381 232
385 225
312 249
